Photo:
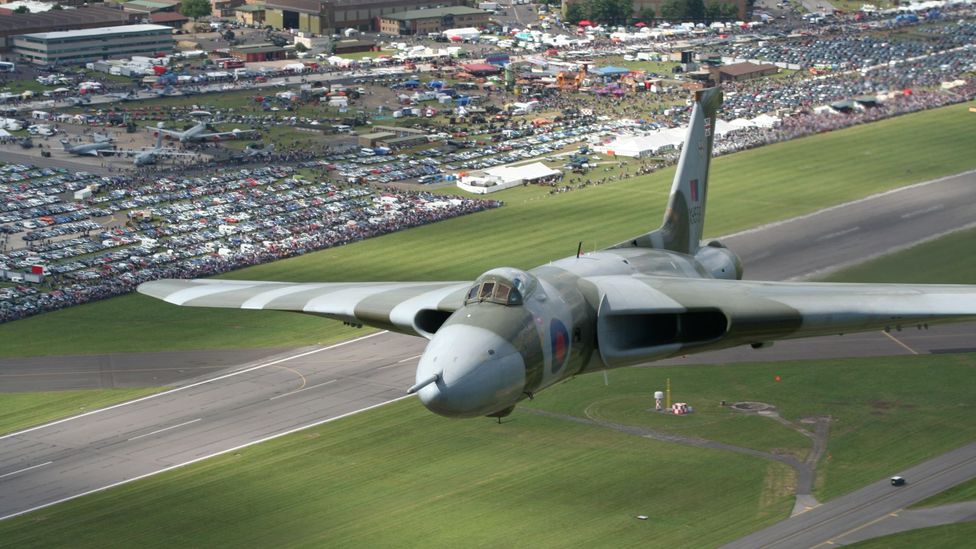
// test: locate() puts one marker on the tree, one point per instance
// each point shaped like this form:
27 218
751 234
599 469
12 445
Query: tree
56 7
575 13
22 9
673 10
195 8
695 10
646 14
300 47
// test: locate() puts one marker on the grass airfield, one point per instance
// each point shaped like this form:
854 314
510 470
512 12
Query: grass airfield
400 476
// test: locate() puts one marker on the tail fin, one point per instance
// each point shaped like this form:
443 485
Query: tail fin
65 143
159 141
684 219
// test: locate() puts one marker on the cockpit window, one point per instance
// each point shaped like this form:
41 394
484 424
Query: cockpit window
504 286
495 292
486 289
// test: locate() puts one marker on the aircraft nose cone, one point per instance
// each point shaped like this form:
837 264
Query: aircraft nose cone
479 372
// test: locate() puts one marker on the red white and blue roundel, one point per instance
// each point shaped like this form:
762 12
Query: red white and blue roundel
559 341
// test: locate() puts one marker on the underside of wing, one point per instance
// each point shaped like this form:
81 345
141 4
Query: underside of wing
645 318
415 308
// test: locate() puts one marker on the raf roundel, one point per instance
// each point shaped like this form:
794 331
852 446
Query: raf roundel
559 344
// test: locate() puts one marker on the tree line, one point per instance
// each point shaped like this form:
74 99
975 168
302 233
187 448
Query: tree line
621 12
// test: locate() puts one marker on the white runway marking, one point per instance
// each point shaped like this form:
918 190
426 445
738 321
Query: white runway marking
409 358
201 458
304 389
26 469
838 234
184 387
923 211
166 428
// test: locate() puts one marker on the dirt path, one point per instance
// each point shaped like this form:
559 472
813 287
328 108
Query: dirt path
805 470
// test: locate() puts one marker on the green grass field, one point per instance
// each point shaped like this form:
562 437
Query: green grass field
22 410
962 492
748 189
944 260
951 535
399 475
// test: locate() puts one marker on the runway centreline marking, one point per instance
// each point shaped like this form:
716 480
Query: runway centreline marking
303 389
215 454
157 431
845 204
26 469
190 386
820 273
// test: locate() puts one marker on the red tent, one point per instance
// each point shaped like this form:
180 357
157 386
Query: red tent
585 23
640 24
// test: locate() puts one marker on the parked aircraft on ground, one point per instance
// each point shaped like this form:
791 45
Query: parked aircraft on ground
200 131
512 333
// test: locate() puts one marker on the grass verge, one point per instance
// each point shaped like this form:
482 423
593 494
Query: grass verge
950 535
22 410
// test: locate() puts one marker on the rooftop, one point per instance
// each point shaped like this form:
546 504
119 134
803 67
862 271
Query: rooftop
167 16
100 31
745 68
150 4
63 19
433 13
250 7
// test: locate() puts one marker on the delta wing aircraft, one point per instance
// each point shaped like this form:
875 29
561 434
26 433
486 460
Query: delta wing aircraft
512 333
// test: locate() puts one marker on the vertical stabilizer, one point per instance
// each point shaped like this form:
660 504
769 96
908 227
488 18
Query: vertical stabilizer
684 219
159 142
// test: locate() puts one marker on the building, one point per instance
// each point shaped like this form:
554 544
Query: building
330 16
60 20
224 8
145 7
432 20
250 14
81 46
741 71
168 18
258 52
354 46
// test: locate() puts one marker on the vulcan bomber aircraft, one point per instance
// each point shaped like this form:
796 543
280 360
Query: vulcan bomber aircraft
512 333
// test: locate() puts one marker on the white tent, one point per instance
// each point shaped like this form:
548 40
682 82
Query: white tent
504 177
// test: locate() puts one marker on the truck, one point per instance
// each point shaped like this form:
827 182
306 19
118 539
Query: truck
229 63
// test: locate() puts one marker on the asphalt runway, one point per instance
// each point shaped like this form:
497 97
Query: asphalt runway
845 519
300 388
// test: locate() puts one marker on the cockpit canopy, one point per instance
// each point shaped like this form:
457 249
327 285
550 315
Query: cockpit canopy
504 286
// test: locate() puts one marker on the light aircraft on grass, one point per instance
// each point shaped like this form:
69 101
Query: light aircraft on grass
512 333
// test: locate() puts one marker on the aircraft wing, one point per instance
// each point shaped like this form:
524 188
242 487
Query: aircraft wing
646 317
414 308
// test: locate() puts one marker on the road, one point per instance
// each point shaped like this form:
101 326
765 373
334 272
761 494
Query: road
305 387
841 521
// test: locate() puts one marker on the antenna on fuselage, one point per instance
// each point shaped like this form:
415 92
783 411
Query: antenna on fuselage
579 249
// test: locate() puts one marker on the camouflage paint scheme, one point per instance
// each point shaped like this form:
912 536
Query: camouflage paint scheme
512 333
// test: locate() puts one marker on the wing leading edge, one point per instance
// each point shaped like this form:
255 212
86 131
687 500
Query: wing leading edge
658 317
414 308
